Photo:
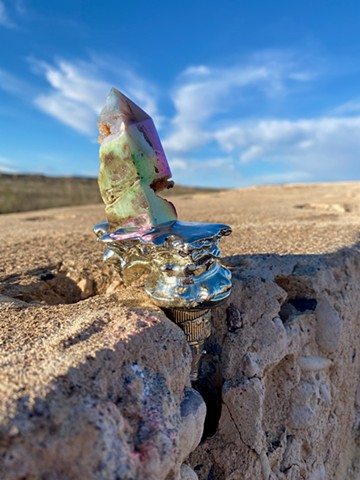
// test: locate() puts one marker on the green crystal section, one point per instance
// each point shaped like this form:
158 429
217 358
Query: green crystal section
133 167
124 181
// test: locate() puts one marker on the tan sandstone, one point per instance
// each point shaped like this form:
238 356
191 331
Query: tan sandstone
95 379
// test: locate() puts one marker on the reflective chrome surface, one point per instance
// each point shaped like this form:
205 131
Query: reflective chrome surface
179 262
197 328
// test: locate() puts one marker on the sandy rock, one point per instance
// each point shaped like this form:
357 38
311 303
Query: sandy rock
328 328
86 286
98 388
289 392
290 372
95 396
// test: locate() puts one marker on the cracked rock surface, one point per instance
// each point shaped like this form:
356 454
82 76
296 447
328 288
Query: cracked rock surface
94 380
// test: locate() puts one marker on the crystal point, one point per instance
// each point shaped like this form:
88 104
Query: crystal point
117 105
133 166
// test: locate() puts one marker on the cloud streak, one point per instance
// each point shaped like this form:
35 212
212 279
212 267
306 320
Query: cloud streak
5 20
6 165
348 108
78 90
204 92
208 102
319 145
75 96
11 84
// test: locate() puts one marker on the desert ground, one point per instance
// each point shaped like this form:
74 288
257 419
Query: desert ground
94 379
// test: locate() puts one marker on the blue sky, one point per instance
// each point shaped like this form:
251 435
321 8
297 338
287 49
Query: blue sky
243 92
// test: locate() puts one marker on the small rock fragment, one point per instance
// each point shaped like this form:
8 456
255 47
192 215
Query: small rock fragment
251 365
328 327
86 286
314 363
319 473
233 318
302 411
113 287
187 473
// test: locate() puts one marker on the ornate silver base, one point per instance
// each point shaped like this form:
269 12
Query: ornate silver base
182 273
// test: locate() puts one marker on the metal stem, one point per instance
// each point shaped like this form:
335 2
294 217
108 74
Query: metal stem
196 325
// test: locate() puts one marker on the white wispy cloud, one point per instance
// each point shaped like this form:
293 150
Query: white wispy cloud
209 101
20 7
179 164
73 113
205 92
76 94
215 171
348 108
142 92
78 90
6 165
5 20
290 176
319 145
193 164
12 84
186 138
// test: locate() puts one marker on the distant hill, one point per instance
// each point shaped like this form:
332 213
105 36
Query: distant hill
20 193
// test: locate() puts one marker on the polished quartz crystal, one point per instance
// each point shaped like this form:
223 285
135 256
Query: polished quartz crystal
133 166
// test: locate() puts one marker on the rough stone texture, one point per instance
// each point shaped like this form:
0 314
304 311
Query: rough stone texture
87 392
95 381
289 374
